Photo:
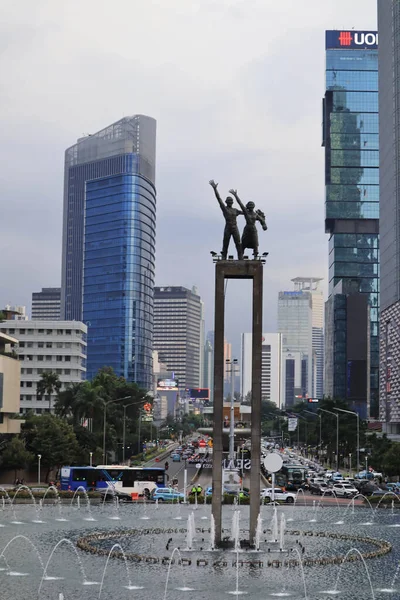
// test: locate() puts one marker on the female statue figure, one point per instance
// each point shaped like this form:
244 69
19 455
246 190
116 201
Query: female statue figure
250 235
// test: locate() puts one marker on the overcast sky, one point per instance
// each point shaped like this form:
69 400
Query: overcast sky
236 88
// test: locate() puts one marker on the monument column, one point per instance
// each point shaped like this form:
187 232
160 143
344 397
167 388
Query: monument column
219 327
255 473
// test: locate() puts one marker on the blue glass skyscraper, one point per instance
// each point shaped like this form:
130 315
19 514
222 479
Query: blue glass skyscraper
351 140
109 245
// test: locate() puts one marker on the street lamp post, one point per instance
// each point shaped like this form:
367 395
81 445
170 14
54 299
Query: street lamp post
350 464
184 483
337 433
39 459
232 409
351 412
140 421
91 458
124 426
320 428
106 402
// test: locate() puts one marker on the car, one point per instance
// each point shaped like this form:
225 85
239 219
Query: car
279 494
393 487
176 457
344 490
320 488
368 488
165 494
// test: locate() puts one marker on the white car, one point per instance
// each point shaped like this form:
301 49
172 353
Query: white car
288 497
344 490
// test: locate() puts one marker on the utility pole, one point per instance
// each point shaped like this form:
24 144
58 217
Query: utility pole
232 409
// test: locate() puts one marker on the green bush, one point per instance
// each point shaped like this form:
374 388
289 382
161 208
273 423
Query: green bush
386 503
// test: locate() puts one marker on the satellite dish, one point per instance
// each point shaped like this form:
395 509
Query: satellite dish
273 462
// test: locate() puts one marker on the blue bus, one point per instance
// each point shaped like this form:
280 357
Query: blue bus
121 479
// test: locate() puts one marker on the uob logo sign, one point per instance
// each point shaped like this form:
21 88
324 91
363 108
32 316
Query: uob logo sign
358 38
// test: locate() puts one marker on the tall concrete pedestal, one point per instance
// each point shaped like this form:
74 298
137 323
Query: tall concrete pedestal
237 269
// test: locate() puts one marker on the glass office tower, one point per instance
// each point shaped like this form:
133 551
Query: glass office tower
351 140
109 245
389 138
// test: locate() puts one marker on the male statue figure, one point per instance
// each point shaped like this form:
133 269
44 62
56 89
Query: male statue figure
231 228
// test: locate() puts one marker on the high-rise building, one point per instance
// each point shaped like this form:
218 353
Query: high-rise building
46 304
271 364
295 323
389 139
350 138
47 346
109 245
311 285
177 333
208 380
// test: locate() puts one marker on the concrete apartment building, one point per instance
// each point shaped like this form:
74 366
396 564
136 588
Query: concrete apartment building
10 370
47 346
46 305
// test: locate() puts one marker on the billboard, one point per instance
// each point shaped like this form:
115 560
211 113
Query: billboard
199 393
167 384
351 39
292 424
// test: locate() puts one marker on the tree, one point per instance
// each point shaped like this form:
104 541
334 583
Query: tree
66 402
16 456
391 460
48 384
52 438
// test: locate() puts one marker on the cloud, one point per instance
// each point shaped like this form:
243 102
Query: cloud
236 88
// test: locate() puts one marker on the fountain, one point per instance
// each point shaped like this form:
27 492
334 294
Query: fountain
235 530
274 525
282 533
191 531
82 489
212 533
258 533
290 551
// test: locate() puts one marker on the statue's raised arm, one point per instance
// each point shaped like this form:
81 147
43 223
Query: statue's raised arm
238 200
218 197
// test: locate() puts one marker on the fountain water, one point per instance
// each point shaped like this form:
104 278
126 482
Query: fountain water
145 516
258 532
212 533
282 533
336 591
184 588
178 516
8 499
235 530
204 517
82 489
237 592
127 587
26 539
46 577
191 531
274 525
35 504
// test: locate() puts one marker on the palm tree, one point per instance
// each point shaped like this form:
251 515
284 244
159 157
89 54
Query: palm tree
66 404
48 384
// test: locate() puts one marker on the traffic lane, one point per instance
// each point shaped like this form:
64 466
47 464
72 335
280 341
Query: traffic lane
177 470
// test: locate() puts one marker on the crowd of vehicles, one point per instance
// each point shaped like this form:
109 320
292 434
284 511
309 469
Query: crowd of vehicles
119 479
299 472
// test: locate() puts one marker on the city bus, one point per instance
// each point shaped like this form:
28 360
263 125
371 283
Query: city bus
292 477
124 480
